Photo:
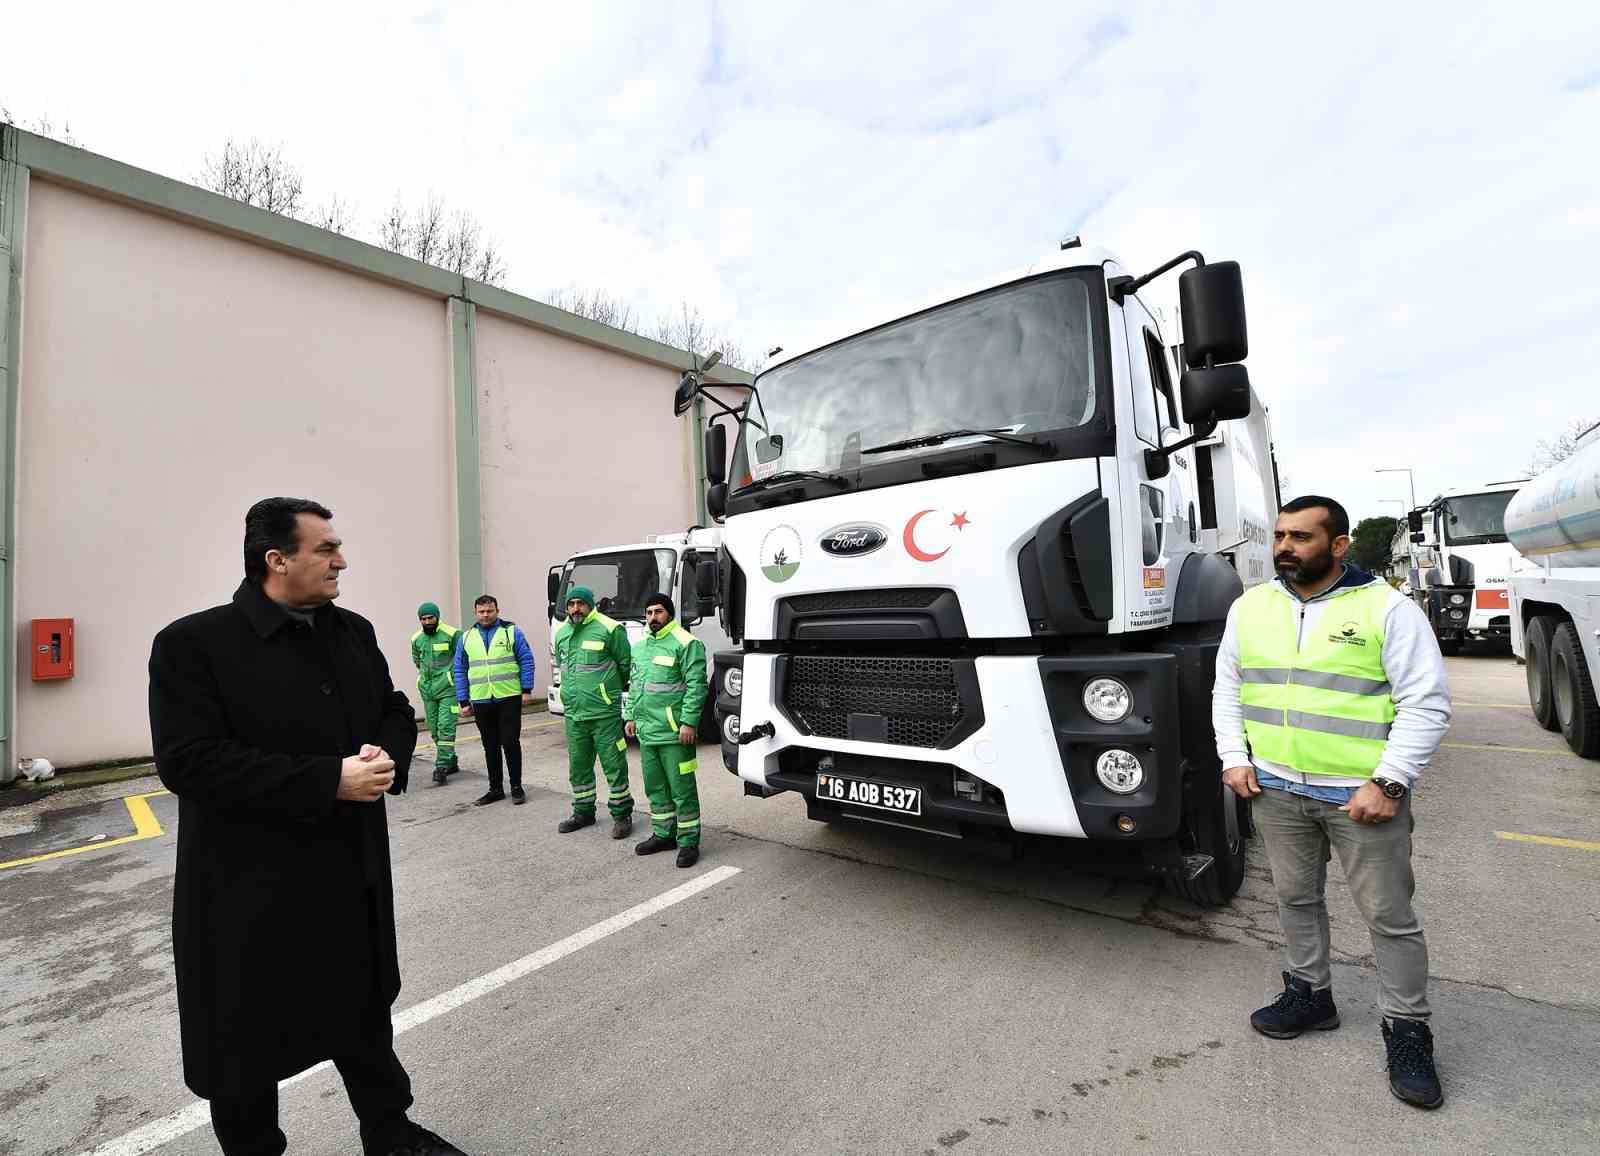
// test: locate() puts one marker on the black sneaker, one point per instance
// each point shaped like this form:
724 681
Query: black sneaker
622 828
452 769
1298 1009
573 822
518 796
418 1141
688 856
1412 1076
438 777
490 796
655 843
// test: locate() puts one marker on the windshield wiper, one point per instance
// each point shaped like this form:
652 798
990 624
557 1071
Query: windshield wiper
795 476
935 439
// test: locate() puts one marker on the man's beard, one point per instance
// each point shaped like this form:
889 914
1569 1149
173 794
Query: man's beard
434 629
1312 570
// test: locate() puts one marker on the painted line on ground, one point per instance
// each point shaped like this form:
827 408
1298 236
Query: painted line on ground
476 738
1547 840
145 826
1564 752
198 1114
1507 705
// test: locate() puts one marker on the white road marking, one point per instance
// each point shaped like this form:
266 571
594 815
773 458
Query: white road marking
198 1114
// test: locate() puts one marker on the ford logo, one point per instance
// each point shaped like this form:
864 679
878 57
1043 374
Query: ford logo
853 540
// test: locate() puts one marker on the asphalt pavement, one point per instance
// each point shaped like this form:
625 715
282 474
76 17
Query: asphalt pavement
817 989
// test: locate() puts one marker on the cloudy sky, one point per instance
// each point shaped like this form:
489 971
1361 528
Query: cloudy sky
1410 188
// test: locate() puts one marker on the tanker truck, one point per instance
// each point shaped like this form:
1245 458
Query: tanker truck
1554 522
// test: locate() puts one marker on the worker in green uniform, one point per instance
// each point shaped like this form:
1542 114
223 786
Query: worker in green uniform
594 656
667 690
433 652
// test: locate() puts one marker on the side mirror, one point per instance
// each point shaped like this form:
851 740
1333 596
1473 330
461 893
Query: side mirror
716 450
1414 521
717 500
697 589
1419 537
1215 395
769 449
1211 299
688 387
552 587
705 578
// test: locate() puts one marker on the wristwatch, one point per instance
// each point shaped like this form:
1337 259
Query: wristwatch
1390 787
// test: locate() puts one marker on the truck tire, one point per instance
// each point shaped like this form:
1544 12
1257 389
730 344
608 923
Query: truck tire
1573 691
1536 653
1218 825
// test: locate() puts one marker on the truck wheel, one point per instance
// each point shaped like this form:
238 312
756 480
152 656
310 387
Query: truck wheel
1218 824
1536 652
1573 692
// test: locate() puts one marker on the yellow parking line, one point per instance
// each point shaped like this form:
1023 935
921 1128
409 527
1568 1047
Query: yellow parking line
460 738
1548 840
145 826
1565 753
1508 705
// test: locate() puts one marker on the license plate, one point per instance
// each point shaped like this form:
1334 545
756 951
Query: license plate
865 793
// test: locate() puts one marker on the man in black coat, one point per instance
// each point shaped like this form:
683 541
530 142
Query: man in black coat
276 726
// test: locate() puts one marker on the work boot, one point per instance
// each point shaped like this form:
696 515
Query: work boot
688 856
418 1141
1412 1076
655 843
1296 1010
489 796
438 776
518 796
452 768
622 828
574 821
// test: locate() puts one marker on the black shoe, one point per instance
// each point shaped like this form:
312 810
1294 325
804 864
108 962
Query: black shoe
622 828
688 856
489 796
1412 1076
1298 1009
438 777
452 768
421 1142
518 796
655 843
574 821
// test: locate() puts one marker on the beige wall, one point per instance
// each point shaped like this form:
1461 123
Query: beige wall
171 376
578 448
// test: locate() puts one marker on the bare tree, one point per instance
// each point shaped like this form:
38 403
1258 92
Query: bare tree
394 231
597 305
255 174
1561 447
688 329
454 241
40 126
334 215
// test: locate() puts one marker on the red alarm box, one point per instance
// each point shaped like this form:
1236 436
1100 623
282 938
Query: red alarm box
52 649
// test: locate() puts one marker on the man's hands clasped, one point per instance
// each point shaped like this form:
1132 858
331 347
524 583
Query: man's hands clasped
366 776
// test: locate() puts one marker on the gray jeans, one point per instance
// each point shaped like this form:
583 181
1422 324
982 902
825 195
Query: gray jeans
1376 858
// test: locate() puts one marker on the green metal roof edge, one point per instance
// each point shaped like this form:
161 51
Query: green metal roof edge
101 175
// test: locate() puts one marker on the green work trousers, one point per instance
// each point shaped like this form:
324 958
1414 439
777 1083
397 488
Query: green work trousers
442 715
674 799
587 738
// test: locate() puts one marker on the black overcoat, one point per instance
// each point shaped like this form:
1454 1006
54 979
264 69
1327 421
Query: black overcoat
283 905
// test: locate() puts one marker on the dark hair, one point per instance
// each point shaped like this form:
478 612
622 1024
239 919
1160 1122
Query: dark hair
1337 521
273 524
485 600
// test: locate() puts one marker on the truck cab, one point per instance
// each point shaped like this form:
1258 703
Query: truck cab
977 560
1461 563
622 577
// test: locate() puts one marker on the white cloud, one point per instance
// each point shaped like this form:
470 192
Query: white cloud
1409 188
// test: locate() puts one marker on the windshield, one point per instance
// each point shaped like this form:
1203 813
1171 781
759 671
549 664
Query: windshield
1019 359
621 581
1476 518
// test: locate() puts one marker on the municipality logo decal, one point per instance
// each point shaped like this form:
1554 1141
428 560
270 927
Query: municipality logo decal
780 553
1349 633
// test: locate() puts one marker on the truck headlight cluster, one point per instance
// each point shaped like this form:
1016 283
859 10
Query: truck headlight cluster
1458 614
730 729
1119 771
733 681
1458 599
1107 699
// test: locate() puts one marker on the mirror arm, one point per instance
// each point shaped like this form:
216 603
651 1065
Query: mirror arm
1120 287
1201 430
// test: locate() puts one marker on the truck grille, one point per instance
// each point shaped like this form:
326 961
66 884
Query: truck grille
919 699
914 597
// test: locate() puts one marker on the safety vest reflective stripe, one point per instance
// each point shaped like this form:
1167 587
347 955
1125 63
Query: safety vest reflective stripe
1327 724
665 687
492 673
1285 676
682 823
592 667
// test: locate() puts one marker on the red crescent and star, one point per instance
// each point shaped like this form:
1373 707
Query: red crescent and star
960 522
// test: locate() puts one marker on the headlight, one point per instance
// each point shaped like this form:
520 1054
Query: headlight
1108 700
730 729
1458 599
1458 614
733 681
1119 771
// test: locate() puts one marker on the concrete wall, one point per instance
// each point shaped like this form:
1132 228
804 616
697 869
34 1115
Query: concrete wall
578 449
172 375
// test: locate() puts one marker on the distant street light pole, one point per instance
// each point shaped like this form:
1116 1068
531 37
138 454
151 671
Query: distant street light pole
1410 480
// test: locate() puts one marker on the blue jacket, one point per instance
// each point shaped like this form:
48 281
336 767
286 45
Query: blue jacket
519 646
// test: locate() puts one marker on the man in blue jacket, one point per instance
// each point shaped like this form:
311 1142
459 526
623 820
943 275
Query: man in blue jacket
494 680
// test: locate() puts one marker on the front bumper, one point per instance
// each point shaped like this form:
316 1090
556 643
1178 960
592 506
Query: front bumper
1024 736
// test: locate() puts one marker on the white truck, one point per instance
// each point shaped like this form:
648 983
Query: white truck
1555 595
978 572
1460 563
623 576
